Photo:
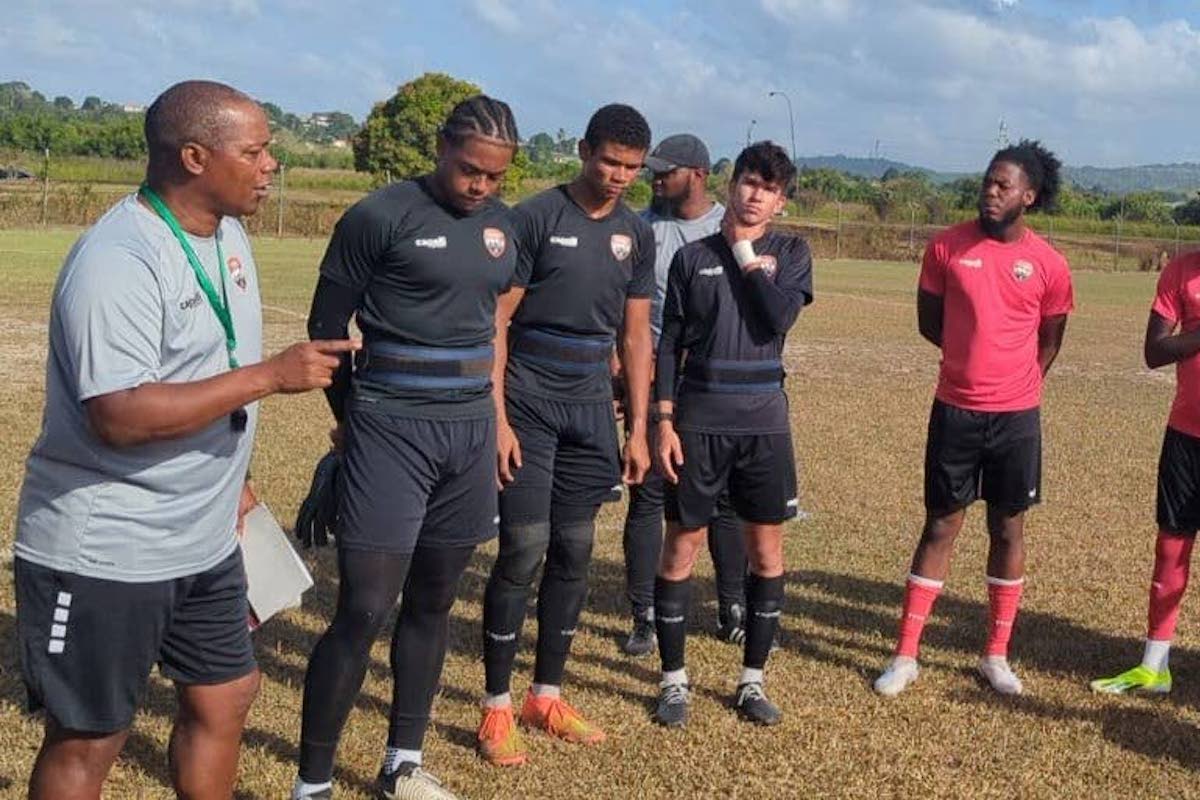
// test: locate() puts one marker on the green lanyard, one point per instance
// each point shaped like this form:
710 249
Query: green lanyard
220 305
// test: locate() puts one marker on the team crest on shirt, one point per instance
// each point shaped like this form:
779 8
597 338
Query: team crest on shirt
495 242
621 246
1022 269
769 265
237 273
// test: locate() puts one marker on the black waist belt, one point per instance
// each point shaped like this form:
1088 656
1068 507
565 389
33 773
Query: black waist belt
426 367
567 353
743 377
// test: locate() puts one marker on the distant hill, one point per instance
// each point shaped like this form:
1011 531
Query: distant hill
1182 179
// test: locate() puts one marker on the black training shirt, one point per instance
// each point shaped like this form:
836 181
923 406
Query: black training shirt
426 275
714 311
577 273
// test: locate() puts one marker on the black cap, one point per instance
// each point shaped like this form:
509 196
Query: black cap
680 150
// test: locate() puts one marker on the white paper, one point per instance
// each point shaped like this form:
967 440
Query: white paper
276 577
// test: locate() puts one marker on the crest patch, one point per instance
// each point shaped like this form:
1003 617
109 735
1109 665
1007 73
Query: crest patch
621 246
495 242
237 273
1022 270
769 265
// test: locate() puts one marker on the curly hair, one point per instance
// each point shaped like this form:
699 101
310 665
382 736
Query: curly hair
619 124
1041 168
768 160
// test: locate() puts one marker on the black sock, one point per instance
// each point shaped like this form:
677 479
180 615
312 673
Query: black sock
563 591
764 604
522 548
671 601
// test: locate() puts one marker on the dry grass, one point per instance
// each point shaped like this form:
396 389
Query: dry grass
860 385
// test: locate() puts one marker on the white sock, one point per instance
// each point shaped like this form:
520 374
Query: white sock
393 757
676 677
1156 655
750 675
546 690
300 789
498 700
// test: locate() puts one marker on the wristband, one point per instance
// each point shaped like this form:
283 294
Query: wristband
661 416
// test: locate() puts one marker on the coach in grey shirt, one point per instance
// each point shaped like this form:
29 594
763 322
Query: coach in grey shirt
126 550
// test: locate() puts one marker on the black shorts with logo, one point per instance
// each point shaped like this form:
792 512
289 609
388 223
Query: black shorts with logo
570 455
759 471
88 644
405 478
1178 504
995 456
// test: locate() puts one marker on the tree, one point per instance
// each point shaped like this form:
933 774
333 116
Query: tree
540 147
1189 212
399 137
64 103
92 103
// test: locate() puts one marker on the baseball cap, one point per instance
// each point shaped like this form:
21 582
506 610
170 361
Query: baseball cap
680 150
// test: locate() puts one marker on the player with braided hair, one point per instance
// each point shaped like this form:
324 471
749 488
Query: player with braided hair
420 263
994 297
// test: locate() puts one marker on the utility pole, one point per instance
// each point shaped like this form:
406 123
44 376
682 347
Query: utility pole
45 185
282 188
791 119
750 131
1002 135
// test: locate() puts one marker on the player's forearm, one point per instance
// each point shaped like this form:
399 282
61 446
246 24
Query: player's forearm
1171 349
159 411
778 308
666 364
499 366
1050 339
929 317
329 318
638 362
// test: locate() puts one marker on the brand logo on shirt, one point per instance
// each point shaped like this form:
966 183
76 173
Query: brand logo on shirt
436 243
565 241
972 263
1022 270
621 246
769 265
237 273
191 302
495 242
711 272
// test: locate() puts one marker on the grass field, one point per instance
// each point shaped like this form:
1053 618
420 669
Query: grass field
860 385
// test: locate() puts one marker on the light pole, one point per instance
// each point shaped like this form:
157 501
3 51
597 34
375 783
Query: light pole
750 131
791 119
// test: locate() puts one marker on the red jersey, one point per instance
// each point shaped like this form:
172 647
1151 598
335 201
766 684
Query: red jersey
994 297
1178 301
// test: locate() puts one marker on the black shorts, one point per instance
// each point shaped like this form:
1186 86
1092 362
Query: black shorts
88 645
569 456
993 455
759 471
405 479
1178 504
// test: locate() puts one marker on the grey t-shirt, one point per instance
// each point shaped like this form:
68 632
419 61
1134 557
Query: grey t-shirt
670 234
127 310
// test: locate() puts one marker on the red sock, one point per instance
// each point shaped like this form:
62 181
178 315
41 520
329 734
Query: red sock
1172 558
1004 597
919 594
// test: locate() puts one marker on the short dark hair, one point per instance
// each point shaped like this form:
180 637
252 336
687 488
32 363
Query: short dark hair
768 160
1041 167
481 116
191 111
619 124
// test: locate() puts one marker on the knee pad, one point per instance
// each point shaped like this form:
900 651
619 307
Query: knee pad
522 548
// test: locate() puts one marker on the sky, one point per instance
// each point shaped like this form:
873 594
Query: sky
927 82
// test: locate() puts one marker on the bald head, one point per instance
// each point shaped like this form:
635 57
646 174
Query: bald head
197 112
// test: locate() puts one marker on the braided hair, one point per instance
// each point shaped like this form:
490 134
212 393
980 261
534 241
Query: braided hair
481 116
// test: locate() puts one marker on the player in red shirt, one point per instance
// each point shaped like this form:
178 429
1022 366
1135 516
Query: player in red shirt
994 296
1172 336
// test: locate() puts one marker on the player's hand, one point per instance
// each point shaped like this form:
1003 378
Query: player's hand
508 454
309 365
670 451
317 519
636 458
246 502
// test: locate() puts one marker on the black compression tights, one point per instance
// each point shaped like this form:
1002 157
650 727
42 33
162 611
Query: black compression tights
369 585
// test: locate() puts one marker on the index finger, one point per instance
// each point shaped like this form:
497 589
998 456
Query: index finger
337 345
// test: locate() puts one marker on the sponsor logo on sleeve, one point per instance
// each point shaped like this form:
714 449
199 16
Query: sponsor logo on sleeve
621 246
565 241
434 243
711 272
237 273
1022 270
495 242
